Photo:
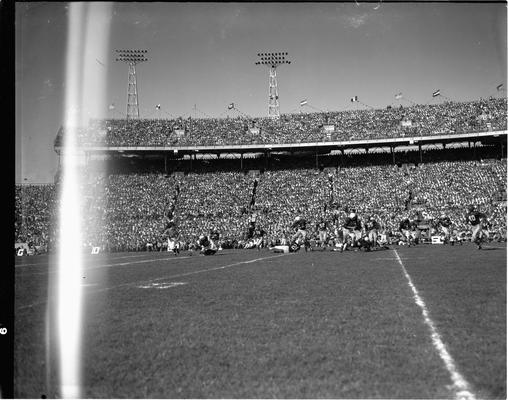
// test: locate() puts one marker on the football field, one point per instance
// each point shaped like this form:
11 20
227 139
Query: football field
420 322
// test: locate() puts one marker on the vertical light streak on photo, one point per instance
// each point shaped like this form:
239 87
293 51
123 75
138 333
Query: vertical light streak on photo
83 97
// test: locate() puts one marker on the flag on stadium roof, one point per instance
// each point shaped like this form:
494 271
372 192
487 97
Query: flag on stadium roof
436 93
398 96
158 106
499 87
353 99
303 102
112 106
231 106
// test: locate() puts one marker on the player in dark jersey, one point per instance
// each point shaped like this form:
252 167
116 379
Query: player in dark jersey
336 214
477 221
322 229
422 227
352 230
407 228
258 236
300 236
206 245
445 223
372 228
169 213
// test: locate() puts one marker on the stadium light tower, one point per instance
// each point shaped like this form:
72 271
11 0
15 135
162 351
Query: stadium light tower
273 60
131 58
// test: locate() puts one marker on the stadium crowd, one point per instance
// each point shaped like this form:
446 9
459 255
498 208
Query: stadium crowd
34 215
125 212
416 120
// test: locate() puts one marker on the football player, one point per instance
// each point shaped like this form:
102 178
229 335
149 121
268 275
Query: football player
372 228
321 228
406 227
173 245
258 236
352 230
206 245
477 221
300 236
215 238
252 225
445 223
170 232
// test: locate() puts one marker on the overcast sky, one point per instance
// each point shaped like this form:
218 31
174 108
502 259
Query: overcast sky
204 54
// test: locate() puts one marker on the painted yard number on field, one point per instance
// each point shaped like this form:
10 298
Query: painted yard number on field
3 331
161 285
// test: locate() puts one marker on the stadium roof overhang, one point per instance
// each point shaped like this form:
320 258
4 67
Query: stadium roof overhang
320 147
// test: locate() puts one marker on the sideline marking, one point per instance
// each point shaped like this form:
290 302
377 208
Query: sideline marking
460 385
158 279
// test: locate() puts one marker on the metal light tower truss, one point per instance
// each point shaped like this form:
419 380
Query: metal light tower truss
131 58
273 60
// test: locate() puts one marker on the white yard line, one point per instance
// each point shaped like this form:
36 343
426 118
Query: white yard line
460 386
189 273
402 258
164 277
137 262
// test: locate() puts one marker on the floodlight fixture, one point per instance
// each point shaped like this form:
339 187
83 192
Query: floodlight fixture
132 57
273 60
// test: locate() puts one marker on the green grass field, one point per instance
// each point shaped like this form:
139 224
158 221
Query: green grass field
254 324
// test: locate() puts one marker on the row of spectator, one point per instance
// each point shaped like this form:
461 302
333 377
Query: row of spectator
35 207
416 120
125 212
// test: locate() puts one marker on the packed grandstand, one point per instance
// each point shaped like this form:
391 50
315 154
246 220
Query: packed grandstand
126 207
418 120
